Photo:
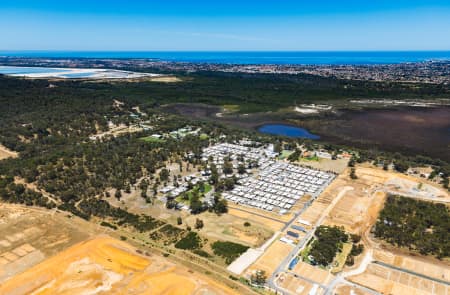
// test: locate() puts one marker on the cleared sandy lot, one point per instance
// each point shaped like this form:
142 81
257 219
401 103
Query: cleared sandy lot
349 290
390 281
103 265
358 210
296 285
337 166
427 266
46 252
313 273
166 79
29 236
272 257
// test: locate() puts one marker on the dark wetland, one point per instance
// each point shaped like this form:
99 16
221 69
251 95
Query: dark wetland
424 131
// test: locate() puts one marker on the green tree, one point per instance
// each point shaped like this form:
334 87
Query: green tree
198 223
227 167
118 194
241 169
258 278
164 174
220 204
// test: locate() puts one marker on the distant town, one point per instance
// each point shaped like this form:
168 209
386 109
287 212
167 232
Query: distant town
436 72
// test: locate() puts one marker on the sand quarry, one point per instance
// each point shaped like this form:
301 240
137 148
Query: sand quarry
103 265
46 252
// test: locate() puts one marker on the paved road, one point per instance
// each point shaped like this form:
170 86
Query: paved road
341 277
284 264
341 280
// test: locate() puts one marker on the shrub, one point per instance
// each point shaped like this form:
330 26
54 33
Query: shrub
104 223
357 249
201 253
190 242
198 224
328 243
228 250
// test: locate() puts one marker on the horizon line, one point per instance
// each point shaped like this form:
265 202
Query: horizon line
188 50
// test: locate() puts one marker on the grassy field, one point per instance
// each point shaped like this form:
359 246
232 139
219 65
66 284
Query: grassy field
284 154
305 252
231 108
339 260
152 139
309 159
190 193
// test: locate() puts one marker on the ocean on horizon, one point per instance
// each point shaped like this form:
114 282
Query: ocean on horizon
252 57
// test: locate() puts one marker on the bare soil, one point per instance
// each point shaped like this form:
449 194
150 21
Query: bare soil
6 153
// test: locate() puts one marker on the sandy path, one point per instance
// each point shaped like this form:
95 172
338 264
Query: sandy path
6 153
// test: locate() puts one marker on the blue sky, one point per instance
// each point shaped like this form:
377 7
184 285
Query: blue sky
224 25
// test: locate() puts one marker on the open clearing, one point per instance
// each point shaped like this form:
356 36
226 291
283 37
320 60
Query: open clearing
271 258
6 153
46 252
358 210
229 227
432 268
104 265
165 79
337 166
262 217
31 235
390 281
313 273
296 285
350 290
117 130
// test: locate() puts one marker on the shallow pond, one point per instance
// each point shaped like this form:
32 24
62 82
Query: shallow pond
287 130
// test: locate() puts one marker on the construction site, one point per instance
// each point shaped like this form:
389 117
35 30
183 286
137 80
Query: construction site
353 204
49 252
46 250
